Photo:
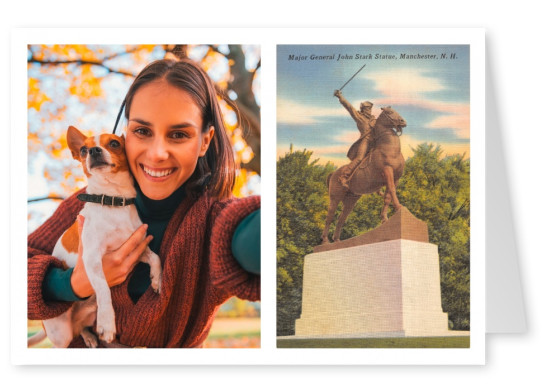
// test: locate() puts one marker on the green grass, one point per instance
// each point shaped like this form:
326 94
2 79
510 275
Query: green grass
44 344
382 343
219 335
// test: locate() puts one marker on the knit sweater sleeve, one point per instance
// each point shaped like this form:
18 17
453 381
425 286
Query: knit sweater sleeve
227 275
40 245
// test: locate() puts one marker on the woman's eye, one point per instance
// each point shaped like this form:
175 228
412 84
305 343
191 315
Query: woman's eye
114 144
141 131
179 135
83 151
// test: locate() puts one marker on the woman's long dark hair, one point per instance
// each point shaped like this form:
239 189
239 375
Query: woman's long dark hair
216 169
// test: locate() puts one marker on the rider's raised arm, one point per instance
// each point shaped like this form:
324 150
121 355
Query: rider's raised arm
351 109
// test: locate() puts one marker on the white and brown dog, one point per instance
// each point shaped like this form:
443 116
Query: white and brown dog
110 217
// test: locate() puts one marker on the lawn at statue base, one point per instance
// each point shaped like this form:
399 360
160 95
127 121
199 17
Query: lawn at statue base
460 341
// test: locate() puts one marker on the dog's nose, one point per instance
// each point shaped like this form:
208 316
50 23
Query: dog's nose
95 151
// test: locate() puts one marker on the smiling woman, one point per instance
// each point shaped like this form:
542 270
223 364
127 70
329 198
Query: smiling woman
181 158
191 118
164 138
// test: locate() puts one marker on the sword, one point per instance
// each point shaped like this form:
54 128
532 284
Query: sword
344 85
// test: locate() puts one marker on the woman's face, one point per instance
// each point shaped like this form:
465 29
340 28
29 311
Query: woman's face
164 139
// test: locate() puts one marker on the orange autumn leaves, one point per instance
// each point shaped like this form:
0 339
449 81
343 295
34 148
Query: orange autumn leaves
83 85
89 86
36 97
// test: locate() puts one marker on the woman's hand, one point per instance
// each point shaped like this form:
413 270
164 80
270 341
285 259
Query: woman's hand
117 264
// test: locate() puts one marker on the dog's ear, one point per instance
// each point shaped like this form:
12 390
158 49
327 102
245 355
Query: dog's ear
75 140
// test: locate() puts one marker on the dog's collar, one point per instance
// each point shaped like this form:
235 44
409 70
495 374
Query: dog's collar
106 200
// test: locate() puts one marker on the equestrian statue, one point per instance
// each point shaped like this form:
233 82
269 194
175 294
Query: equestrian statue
377 162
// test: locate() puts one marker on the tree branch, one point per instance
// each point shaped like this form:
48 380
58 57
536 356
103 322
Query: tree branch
178 51
79 62
241 82
257 67
99 62
45 198
453 215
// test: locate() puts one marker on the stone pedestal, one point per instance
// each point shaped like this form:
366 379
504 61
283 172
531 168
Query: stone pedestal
388 288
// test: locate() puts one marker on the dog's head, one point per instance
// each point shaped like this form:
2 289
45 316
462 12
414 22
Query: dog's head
100 154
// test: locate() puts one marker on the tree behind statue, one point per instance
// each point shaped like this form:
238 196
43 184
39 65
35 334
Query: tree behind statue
434 188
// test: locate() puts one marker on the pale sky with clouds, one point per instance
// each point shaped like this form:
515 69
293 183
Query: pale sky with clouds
432 95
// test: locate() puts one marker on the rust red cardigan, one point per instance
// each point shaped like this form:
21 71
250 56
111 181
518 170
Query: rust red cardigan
199 274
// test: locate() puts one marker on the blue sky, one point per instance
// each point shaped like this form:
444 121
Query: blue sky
432 95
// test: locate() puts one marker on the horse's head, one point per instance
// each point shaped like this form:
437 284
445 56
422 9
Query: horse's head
389 118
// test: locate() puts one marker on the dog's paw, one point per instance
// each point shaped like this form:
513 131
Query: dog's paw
106 335
156 282
156 271
106 326
89 338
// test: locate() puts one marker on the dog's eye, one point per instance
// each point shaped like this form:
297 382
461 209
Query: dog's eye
114 144
83 151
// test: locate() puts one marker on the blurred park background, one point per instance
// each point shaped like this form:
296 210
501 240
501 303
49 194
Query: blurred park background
84 86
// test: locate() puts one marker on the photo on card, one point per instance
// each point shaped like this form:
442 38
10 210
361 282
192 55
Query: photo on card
166 135
373 196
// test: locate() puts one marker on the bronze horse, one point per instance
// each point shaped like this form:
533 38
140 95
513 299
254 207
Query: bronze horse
383 166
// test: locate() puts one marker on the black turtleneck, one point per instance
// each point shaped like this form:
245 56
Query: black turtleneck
156 214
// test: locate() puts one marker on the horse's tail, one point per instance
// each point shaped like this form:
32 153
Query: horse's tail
328 179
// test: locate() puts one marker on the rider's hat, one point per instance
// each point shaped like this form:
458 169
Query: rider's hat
366 104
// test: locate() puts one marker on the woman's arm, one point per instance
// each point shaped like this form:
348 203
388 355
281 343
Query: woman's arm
246 243
40 245
228 275
57 285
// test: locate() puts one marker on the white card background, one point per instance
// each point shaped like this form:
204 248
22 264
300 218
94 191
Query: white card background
268 354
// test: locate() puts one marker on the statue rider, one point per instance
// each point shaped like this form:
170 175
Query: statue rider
365 122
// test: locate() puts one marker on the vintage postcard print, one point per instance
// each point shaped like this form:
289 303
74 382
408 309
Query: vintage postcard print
373 196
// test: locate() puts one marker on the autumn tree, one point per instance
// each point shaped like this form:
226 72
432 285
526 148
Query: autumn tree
84 86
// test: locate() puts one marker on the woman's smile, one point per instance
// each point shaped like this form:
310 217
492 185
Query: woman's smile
165 138
157 174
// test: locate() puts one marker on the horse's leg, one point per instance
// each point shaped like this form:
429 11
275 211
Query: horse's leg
384 212
388 173
347 205
333 203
